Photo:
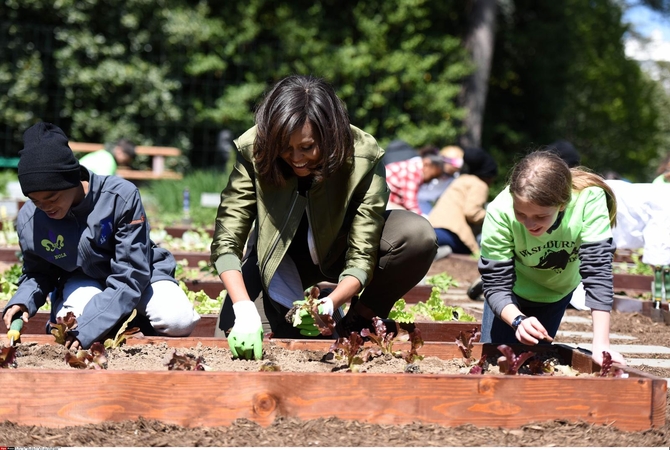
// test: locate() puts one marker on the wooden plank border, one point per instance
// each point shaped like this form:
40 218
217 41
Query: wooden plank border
209 399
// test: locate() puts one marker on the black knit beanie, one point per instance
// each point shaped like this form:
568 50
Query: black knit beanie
46 162
480 162
566 151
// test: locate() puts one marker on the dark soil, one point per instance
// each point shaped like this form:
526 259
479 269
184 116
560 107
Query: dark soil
287 432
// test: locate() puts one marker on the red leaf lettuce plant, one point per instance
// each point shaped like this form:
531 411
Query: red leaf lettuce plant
63 326
177 361
606 369
347 349
509 363
465 344
8 357
123 333
94 358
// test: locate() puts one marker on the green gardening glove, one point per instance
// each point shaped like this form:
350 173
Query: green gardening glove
304 321
246 338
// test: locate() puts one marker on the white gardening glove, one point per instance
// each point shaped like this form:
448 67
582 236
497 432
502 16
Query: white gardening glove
246 338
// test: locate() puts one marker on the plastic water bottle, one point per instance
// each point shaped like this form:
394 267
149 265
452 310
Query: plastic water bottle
186 206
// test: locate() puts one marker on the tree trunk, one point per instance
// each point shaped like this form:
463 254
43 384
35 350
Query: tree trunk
479 41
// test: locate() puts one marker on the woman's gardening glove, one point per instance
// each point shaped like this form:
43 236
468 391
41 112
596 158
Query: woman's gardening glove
246 337
305 322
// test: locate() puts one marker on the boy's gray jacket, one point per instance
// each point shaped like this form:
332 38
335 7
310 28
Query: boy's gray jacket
345 212
105 237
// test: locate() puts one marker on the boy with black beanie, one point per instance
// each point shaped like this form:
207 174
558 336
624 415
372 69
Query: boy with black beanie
85 240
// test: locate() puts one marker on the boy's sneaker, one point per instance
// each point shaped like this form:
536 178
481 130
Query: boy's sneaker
442 252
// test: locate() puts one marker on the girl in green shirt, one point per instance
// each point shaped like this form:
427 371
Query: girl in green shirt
549 229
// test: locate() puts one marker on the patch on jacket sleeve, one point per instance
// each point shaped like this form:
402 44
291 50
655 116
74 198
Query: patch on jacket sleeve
140 220
106 230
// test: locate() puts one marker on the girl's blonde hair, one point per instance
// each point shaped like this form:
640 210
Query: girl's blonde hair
544 179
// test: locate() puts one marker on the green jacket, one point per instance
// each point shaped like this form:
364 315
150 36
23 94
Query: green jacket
345 212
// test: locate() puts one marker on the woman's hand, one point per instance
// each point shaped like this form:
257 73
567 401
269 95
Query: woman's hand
344 291
530 332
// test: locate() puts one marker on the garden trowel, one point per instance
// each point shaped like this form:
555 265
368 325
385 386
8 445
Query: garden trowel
14 332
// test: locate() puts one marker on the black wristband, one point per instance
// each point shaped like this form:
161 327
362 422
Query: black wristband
517 321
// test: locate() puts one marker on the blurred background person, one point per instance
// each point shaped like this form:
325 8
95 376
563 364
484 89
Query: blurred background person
405 177
459 213
429 192
105 162
663 172
398 150
566 151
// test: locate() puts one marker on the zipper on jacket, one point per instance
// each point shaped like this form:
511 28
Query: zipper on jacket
311 230
281 232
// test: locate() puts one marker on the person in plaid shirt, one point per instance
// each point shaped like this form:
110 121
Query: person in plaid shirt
405 177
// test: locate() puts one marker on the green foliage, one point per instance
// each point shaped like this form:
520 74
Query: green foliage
9 282
203 303
123 333
163 199
436 309
175 72
442 281
432 309
400 312
637 268
560 72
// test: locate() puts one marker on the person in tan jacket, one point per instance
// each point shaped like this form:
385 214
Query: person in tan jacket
458 214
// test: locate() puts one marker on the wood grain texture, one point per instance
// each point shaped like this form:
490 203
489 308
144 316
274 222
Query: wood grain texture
196 399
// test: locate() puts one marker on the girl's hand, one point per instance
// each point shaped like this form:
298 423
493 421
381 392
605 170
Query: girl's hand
530 332
72 343
597 355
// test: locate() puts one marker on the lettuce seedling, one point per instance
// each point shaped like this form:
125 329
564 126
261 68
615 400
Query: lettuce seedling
537 366
63 326
510 363
416 342
435 309
465 344
347 349
269 366
385 341
8 357
442 281
123 333
94 358
400 313
323 322
478 368
380 337
176 361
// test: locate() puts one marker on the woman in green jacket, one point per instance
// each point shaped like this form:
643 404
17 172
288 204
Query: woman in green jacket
308 197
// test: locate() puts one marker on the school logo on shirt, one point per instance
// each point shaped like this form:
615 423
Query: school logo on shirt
54 244
556 259
105 230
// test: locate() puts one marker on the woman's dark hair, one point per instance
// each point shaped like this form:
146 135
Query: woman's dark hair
285 109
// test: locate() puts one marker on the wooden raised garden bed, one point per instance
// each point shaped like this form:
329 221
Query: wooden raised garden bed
206 327
210 399
633 284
